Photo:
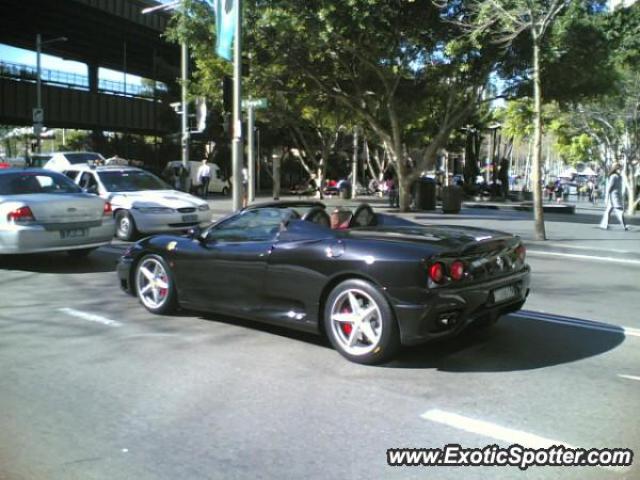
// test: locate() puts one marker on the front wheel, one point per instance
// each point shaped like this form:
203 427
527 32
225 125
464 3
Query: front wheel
154 284
125 226
360 324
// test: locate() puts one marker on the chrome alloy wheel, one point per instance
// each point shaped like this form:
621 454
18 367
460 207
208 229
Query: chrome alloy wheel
152 283
356 322
124 226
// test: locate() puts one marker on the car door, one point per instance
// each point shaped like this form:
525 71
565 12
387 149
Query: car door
225 270
89 183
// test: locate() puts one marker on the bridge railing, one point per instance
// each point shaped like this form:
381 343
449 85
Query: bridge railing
29 73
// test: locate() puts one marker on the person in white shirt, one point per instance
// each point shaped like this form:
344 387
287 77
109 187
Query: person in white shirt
204 177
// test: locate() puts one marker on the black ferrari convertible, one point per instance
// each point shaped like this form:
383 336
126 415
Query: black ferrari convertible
370 282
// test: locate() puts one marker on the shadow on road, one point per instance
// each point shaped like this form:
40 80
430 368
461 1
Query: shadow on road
268 328
60 262
521 342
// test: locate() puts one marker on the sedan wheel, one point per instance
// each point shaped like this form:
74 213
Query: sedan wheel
360 323
154 285
125 226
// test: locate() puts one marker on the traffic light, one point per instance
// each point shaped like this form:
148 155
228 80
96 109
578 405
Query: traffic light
227 93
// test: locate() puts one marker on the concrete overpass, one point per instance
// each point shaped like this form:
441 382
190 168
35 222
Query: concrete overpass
101 33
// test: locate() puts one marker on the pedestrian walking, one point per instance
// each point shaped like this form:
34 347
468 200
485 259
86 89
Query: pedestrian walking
204 177
613 197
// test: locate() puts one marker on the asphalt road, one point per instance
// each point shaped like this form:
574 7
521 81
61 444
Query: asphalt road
94 387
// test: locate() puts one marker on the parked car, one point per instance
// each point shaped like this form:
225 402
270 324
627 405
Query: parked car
216 185
61 161
378 284
42 211
142 202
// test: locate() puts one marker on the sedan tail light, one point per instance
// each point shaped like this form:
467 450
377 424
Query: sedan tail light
107 211
21 215
436 272
456 270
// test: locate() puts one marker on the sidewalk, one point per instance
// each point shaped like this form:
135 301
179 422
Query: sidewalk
570 234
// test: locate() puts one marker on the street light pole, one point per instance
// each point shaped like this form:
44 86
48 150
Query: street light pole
36 129
354 165
251 153
37 122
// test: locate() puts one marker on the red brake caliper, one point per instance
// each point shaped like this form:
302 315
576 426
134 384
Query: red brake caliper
346 327
163 291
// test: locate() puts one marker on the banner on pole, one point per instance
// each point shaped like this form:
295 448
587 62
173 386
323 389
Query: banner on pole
225 27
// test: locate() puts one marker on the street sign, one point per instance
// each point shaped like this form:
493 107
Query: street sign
38 115
256 103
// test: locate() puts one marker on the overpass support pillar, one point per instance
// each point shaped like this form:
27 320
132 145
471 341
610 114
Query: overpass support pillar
92 69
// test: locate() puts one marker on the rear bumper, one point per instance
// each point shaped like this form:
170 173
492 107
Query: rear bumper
446 312
19 239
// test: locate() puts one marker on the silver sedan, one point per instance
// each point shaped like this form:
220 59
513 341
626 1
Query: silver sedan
43 211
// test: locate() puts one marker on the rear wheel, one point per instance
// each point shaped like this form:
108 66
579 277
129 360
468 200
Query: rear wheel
125 226
154 285
80 253
360 324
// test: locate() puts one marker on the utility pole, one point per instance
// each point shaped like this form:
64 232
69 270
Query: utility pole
184 64
236 143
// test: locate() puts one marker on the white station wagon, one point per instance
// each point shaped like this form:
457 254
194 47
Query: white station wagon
141 202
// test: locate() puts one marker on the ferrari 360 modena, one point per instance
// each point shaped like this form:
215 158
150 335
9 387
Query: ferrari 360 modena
370 282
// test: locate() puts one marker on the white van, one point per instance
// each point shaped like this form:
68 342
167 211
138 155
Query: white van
216 185
61 161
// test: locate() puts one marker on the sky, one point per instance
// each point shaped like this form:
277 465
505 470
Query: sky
27 57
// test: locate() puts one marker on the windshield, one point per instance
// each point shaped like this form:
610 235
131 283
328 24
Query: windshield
131 181
25 183
86 157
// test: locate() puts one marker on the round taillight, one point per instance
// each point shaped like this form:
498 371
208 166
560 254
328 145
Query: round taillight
521 252
456 270
107 209
436 272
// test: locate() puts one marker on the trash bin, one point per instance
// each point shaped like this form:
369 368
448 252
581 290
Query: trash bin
425 194
451 199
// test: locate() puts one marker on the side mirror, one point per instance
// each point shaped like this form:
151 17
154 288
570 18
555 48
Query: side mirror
196 233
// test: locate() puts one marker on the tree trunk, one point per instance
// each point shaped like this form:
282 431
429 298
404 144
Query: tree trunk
405 182
631 192
538 213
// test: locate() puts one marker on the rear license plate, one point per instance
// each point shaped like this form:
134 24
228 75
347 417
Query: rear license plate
189 218
75 233
505 294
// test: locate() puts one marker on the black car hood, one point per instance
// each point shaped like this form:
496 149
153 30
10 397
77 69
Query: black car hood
440 237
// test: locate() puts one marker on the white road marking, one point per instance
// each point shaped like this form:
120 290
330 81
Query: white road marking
576 322
497 432
90 317
585 257
489 429
630 377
